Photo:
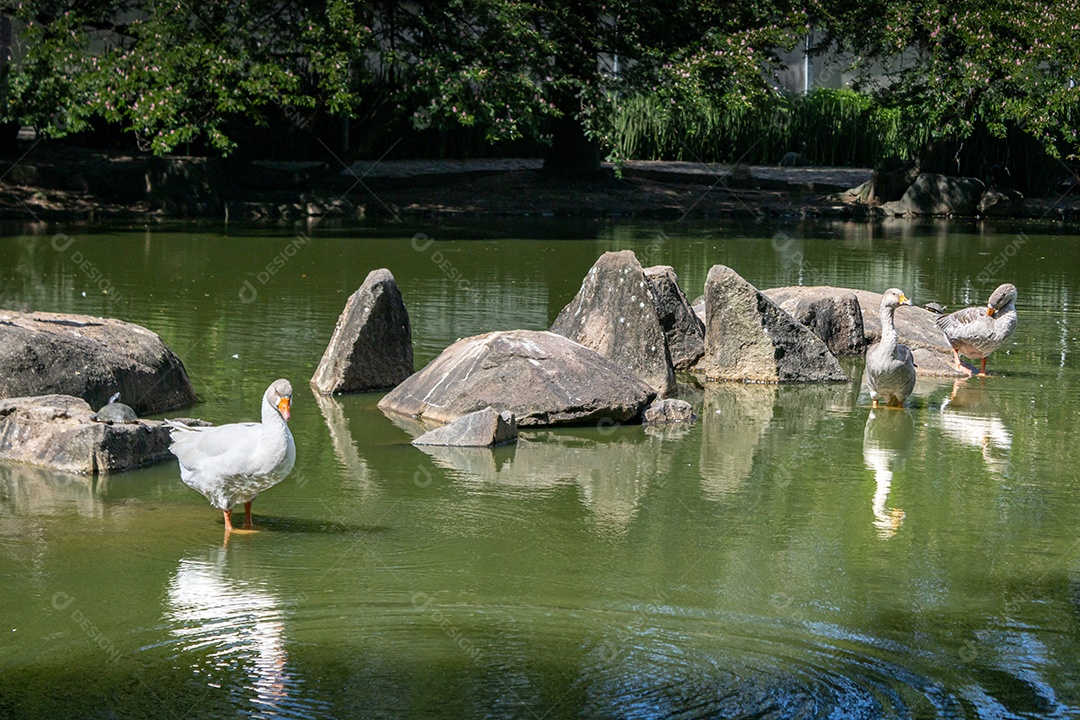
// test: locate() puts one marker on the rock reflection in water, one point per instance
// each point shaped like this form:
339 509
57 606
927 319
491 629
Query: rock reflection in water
228 625
344 445
28 490
734 416
612 472
969 416
887 442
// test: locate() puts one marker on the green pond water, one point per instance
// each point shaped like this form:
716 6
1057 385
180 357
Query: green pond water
790 555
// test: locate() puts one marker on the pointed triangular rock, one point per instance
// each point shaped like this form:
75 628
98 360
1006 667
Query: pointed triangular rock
371 348
749 338
614 314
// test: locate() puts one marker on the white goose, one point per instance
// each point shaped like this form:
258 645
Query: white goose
232 464
890 366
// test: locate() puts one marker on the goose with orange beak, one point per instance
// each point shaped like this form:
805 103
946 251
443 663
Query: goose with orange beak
890 366
977 331
232 464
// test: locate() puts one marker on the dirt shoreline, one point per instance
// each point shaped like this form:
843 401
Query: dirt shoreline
84 186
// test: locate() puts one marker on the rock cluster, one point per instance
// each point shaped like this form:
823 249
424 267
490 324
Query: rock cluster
915 325
610 353
900 192
749 338
59 432
616 347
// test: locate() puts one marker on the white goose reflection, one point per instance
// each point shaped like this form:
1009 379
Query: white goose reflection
228 624
969 416
887 442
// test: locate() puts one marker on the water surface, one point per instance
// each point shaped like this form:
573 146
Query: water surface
792 554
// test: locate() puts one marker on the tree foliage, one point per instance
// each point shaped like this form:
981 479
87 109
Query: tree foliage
969 66
174 73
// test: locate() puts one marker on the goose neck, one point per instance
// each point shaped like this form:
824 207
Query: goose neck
888 328
271 418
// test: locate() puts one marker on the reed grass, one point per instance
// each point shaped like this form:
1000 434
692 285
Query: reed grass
830 127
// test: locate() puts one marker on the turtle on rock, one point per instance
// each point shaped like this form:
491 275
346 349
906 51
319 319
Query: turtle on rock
115 412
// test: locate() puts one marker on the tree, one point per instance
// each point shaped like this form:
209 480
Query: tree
560 67
176 73
970 68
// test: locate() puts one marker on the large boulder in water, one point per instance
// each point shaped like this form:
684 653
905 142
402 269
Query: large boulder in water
541 377
91 358
685 332
836 318
371 348
749 338
914 325
58 432
615 314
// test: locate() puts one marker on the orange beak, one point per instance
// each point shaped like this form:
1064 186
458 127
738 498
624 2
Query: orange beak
904 300
283 408
990 311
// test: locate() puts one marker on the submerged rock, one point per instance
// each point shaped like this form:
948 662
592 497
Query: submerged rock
749 338
371 348
542 378
685 332
669 410
482 428
615 314
91 358
59 432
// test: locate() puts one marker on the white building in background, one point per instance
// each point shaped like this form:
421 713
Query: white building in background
805 72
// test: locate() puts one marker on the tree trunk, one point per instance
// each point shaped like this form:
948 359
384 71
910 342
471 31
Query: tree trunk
572 152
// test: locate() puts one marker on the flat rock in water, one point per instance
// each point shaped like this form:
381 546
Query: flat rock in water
371 348
482 428
836 318
55 431
685 332
91 358
749 338
614 313
541 377
669 410
914 325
